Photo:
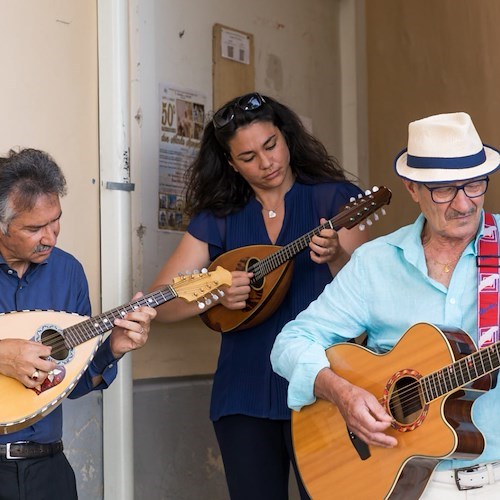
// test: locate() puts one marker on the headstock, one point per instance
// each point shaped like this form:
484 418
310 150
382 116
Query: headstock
362 207
202 287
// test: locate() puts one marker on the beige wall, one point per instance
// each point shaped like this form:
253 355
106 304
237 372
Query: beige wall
427 57
48 96
48 100
297 60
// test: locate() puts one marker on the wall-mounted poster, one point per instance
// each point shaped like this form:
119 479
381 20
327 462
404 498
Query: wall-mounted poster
182 118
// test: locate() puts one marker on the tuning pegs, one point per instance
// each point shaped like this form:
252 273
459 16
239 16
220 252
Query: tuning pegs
188 274
362 227
220 292
369 222
207 301
374 189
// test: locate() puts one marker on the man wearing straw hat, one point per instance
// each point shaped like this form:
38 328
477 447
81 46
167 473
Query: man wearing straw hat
440 270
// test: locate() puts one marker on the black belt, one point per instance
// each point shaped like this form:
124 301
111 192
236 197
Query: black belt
28 449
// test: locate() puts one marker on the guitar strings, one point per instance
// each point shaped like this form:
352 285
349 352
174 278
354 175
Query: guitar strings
410 395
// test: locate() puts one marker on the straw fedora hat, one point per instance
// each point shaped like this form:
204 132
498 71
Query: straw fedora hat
445 148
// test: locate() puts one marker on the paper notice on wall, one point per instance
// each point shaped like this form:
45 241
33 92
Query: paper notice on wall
235 46
182 118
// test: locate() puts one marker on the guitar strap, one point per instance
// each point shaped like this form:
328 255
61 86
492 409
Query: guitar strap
488 294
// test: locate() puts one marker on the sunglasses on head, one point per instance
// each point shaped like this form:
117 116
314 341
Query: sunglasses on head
248 102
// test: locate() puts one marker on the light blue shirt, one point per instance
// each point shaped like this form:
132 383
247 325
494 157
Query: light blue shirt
383 290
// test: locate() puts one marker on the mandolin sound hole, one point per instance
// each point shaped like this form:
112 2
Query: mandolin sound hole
54 339
256 284
405 403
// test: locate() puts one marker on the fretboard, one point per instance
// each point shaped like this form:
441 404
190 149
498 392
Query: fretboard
286 253
97 325
462 372
352 214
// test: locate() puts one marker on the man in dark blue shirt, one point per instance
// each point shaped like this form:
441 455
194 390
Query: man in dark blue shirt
34 274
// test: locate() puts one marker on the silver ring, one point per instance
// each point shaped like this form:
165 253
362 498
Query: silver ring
35 375
141 331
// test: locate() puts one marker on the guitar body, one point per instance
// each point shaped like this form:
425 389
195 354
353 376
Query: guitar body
265 297
20 406
333 461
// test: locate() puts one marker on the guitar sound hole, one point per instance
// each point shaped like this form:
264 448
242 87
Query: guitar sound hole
405 403
54 339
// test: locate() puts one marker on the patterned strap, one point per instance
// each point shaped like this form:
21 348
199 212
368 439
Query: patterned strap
488 262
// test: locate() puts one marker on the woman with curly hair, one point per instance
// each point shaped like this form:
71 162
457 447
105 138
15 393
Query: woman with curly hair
259 178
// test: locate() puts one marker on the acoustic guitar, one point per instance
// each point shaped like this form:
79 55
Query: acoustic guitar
272 266
74 340
420 383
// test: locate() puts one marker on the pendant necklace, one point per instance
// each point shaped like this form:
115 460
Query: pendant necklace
446 265
271 213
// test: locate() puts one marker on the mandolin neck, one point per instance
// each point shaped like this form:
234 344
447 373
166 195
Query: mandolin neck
286 253
358 209
98 325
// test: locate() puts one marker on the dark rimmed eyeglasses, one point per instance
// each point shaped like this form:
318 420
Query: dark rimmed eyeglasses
248 102
446 194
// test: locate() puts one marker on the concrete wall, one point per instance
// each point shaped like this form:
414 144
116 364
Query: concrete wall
176 453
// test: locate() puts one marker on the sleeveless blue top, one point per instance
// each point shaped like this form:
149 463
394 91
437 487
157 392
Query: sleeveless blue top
244 382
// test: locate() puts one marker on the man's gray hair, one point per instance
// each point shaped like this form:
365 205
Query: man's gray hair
26 175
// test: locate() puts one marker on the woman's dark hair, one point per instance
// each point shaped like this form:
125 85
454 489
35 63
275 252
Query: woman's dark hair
213 184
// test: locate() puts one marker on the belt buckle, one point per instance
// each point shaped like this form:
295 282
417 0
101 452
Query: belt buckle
457 479
8 456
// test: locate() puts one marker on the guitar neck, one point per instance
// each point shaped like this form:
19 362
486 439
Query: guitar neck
98 325
462 372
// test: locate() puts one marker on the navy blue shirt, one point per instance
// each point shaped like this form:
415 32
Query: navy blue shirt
244 382
58 284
